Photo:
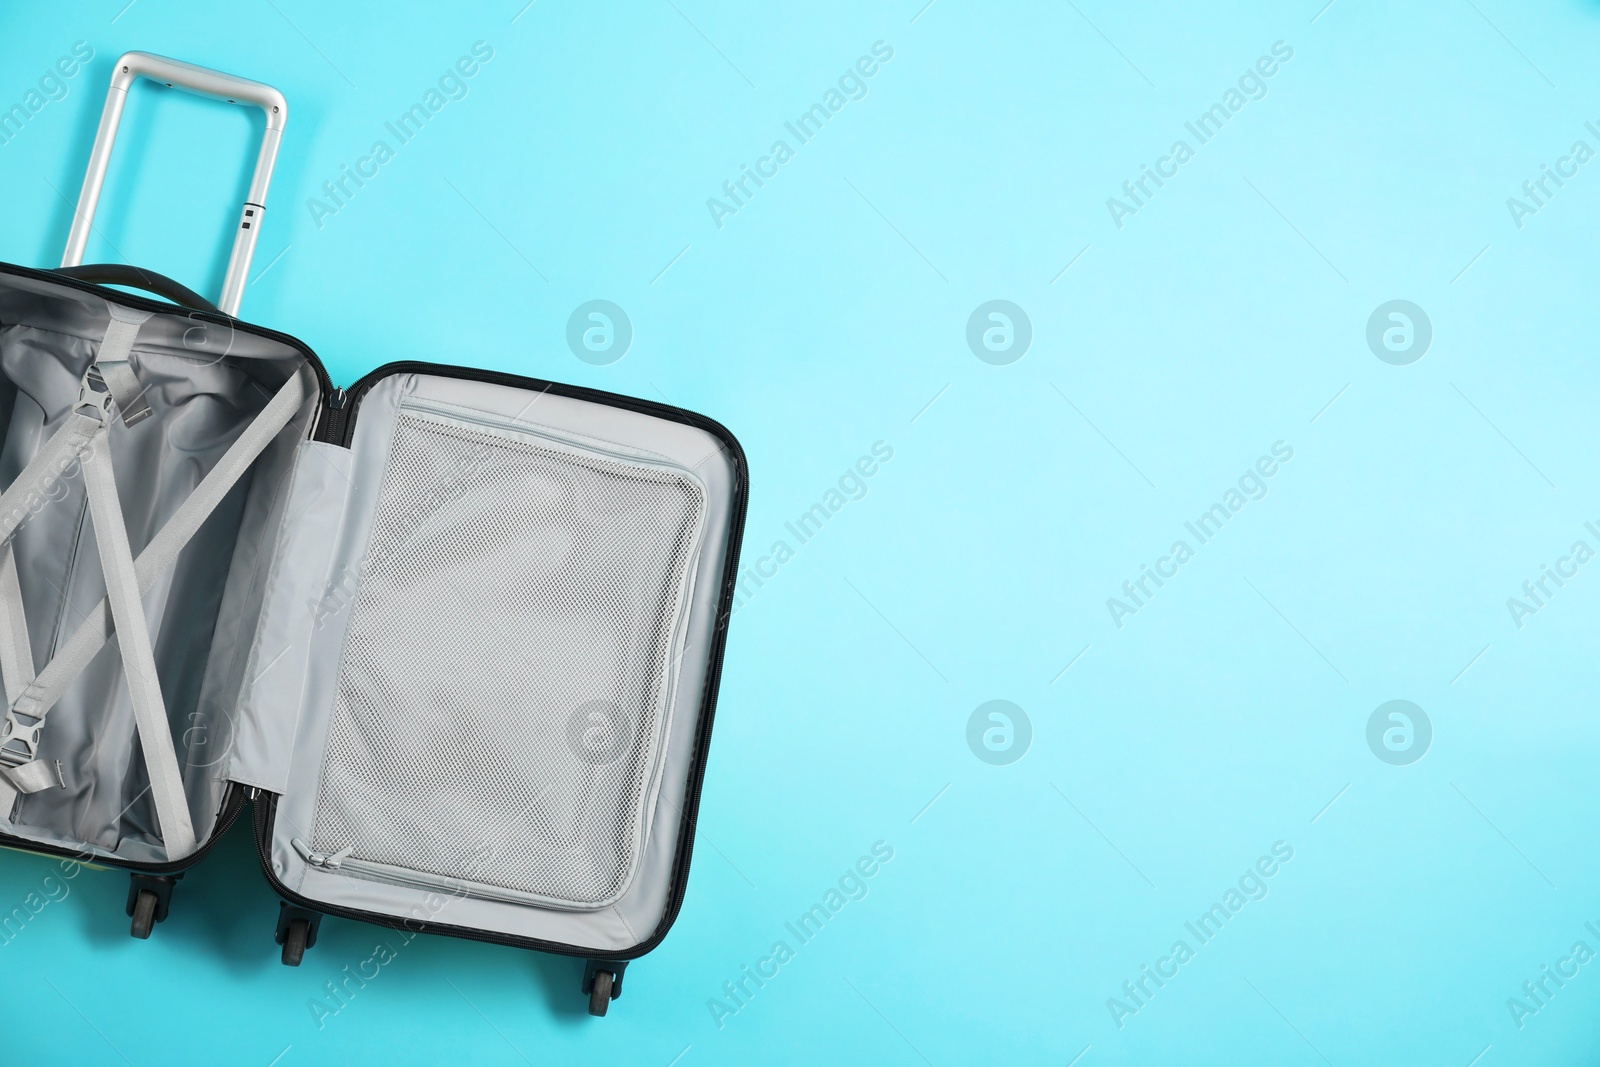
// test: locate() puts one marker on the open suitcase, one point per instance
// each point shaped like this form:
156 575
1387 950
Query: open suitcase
455 636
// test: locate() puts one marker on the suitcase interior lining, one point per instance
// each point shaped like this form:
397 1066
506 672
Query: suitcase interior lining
556 578
205 384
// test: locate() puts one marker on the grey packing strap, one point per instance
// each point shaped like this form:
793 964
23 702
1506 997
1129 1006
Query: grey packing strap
112 368
112 381
97 629
16 650
123 385
31 488
19 741
31 777
16 668
138 657
84 425
57 455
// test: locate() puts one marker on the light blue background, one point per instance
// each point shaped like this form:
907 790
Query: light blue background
825 316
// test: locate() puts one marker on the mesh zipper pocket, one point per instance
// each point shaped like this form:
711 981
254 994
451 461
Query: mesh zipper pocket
507 673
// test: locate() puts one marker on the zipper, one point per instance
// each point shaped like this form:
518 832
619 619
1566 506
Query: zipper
331 425
343 863
358 389
340 862
265 813
573 441
322 861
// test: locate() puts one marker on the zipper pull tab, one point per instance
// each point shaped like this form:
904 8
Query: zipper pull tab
327 861
336 401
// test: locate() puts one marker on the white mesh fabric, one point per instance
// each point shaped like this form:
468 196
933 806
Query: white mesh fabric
504 679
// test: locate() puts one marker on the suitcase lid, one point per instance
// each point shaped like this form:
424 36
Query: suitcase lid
490 640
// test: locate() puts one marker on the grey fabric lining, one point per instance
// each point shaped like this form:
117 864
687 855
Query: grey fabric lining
296 593
632 918
205 384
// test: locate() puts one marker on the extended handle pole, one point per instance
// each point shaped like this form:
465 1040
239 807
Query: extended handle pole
202 82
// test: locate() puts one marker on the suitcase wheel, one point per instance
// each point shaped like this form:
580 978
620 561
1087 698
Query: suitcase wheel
600 993
294 942
297 931
149 898
602 982
144 914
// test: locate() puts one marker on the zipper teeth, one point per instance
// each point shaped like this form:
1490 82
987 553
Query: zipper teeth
376 871
358 389
539 433
264 813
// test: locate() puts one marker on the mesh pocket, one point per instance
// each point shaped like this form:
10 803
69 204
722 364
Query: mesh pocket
505 677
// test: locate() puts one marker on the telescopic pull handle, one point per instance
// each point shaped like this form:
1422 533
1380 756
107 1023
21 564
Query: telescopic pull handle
202 82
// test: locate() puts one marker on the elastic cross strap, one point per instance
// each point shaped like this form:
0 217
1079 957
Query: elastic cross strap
111 385
112 368
32 487
16 650
97 629
20 772
28 711
138 657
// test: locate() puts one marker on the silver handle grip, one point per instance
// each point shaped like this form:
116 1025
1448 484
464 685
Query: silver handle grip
203 82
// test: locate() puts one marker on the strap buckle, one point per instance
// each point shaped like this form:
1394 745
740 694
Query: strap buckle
14 732
110 382
94 396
